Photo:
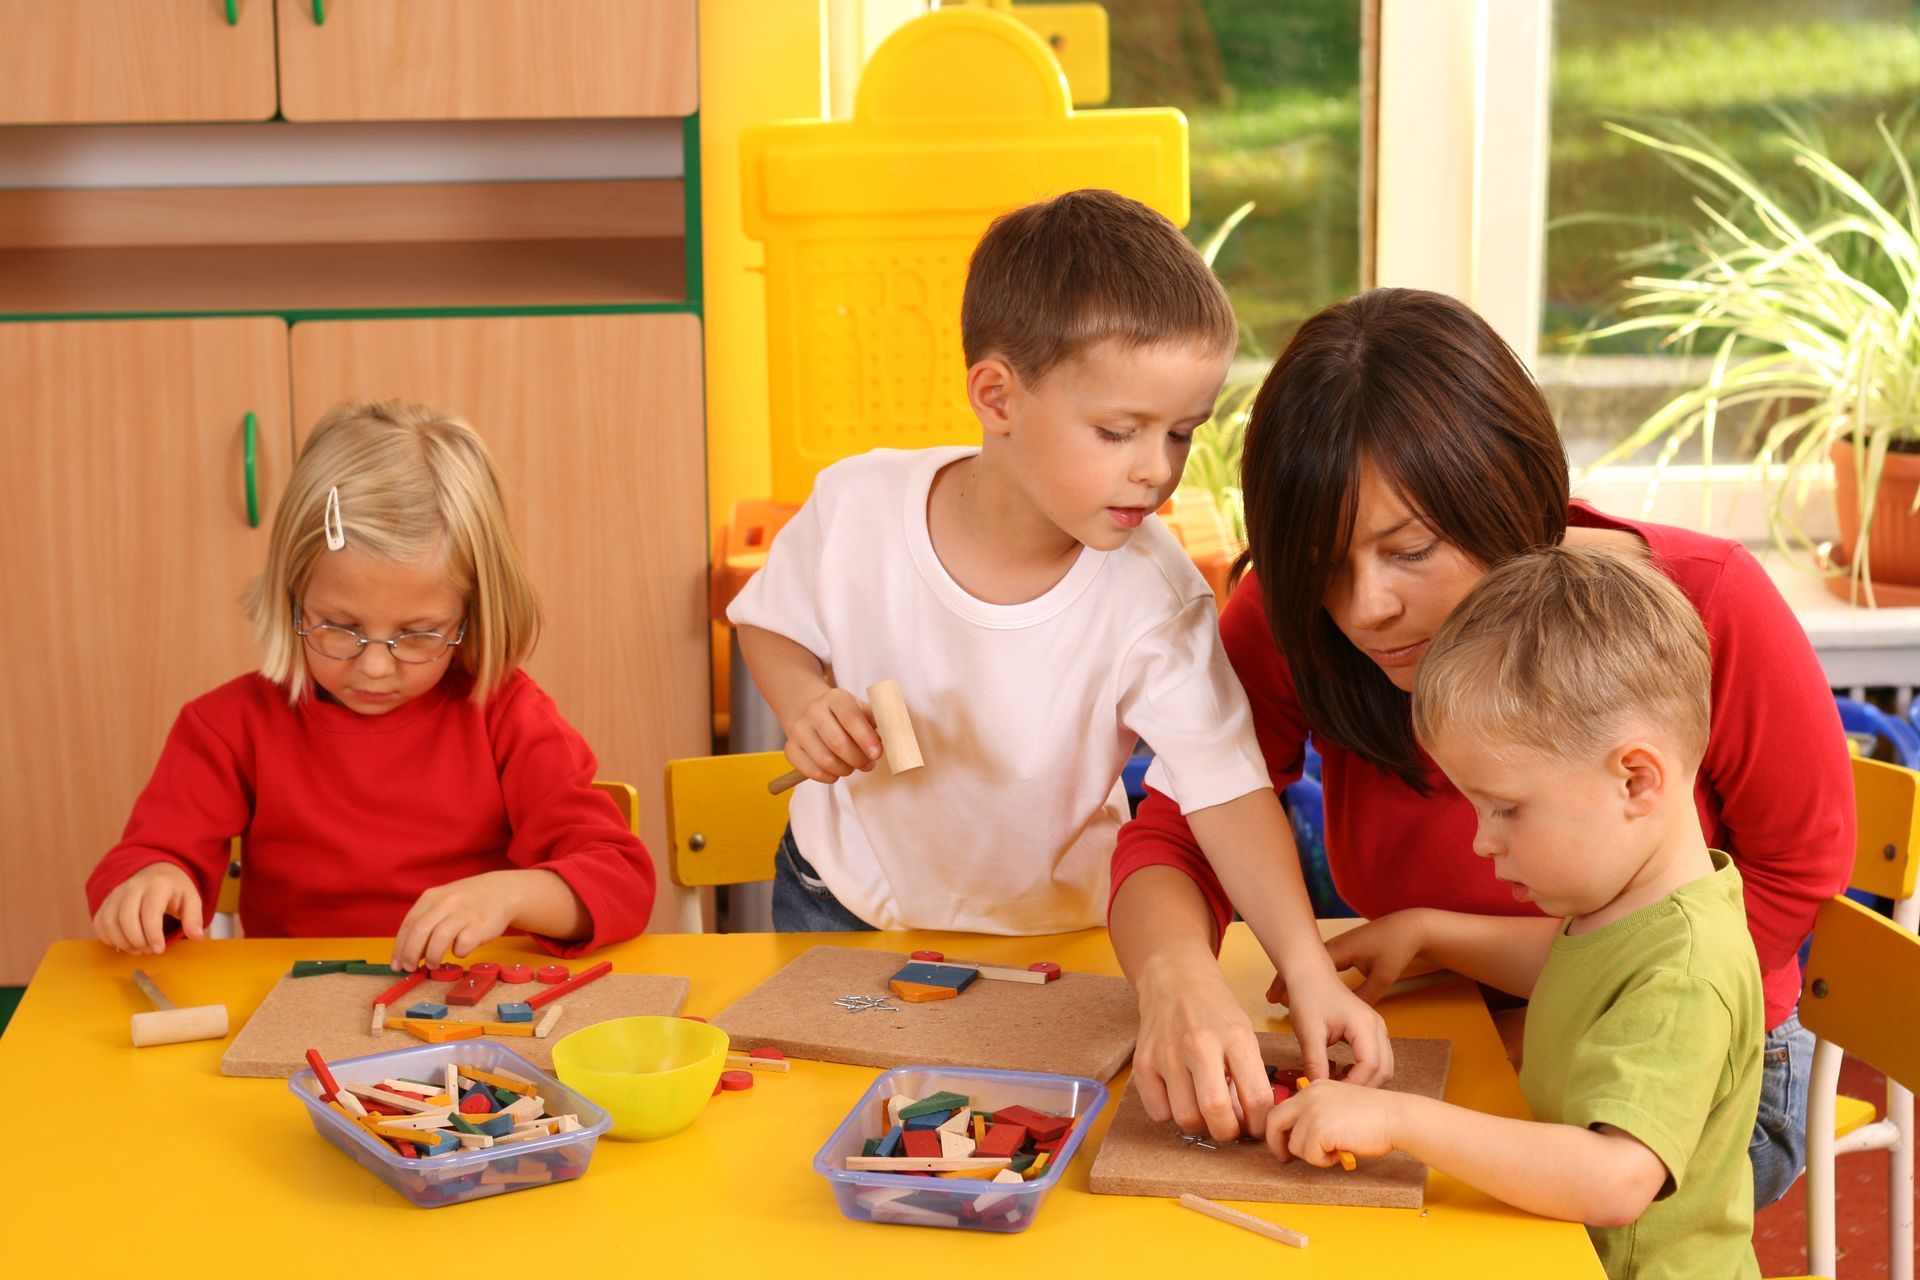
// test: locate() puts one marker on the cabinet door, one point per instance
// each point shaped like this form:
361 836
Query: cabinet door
134 61
126 549
595 424
486 59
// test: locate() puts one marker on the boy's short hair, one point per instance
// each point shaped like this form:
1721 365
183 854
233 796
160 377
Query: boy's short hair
412 482
1561 650
1051 279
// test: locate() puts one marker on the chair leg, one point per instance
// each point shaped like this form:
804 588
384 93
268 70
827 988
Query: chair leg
1821 1092
1900 1185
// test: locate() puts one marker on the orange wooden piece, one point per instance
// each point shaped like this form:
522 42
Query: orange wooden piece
920 992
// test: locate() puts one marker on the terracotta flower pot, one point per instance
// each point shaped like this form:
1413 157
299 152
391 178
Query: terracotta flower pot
1893 544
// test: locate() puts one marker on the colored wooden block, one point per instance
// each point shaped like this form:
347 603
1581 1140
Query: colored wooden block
1002 1140
1041 1127
547 1023
929 957
427 1009
445 1032
919 993
513 1011
923 1144
954 1145
477 1101
931 1121
508 1028
447 973
498 1080
550 974
955 1123
891 1142
895 1105
1038 1167
980 1128
472 988
314 968
498 1125
983 1175
368 969
484 967
1047 967
578 980
936 975
392 994
516 973
943 1102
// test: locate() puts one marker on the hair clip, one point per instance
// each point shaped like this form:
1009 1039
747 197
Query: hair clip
336 531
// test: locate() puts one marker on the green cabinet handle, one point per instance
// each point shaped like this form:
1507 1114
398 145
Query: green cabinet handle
233 13
252 436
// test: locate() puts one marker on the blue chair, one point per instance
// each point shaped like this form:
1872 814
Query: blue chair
1902 736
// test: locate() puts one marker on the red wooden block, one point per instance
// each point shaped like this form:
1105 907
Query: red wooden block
552 973
447 973
1047 967
516 973
930 957
921 1143
736 1080
476 1103
1002 1140
410 1093
328 1085
580 979
407 1150
473 988
391 996
767 1052
380 1108
1280 1093
1042 1128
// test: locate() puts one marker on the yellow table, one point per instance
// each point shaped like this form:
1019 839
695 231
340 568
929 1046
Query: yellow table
148 1162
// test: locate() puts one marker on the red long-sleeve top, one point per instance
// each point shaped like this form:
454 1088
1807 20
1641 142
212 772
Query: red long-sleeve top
347 818
1775 790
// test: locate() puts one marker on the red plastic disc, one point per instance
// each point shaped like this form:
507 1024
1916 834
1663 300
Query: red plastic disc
516 973
736 1080
552 973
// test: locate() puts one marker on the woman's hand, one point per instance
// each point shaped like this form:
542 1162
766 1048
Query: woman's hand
458 917
1196 1061
833 736
134 916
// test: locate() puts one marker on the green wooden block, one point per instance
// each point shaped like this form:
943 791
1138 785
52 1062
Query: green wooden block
314 968
870 1146
1021 1163
948 1102
371 970
460 1123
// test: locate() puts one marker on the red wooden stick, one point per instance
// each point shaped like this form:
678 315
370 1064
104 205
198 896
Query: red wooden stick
580 979
393 993
324 1076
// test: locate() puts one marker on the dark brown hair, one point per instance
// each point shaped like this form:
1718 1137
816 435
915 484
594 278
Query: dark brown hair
1423 387
1051 279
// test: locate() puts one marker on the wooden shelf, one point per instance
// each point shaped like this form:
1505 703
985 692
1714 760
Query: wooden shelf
342 277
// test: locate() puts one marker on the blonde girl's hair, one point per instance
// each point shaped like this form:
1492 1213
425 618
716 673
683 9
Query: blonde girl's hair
413 483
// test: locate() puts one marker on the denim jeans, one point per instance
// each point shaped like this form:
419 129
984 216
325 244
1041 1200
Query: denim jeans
1778 1149
802 903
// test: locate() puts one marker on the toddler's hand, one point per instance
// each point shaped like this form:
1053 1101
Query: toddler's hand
133 917
833 737
457 917
1317 1124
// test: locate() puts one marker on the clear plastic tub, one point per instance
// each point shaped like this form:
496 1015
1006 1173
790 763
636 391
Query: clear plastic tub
454 1178
950 1202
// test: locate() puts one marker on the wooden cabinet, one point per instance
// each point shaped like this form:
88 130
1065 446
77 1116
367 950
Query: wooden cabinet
127 547
487 59
98 61
595 422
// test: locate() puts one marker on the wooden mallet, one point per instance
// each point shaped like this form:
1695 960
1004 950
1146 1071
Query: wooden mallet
901 748
168 1024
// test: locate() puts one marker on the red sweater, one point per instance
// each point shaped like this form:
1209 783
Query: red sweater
1775 789
349 818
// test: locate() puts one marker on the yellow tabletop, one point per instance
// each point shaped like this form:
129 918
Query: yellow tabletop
149 1162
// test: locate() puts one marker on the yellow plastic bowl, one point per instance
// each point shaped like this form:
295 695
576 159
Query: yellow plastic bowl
651 1074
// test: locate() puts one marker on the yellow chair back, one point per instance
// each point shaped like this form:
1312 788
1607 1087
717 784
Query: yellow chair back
1863 988
1886 805
722 826
626 798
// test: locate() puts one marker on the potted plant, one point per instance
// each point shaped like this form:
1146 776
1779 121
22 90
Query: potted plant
1814 317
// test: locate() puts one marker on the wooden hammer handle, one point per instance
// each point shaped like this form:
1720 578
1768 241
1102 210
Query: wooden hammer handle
151 990
786 782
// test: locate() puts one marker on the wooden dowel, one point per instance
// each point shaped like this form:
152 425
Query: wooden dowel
1260 1226
786 782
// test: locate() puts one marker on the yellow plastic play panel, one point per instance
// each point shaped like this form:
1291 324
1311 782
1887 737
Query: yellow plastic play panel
961 115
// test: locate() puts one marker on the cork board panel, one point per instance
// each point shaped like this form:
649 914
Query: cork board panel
1141 1158
333 1013
1081 1024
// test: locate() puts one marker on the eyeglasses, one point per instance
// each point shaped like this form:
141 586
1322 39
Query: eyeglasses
344 644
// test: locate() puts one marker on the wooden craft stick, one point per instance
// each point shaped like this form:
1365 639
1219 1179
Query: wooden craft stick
441 1119
1260 1226
758 1064
393 993
923 1164
412 1106
546 1023
1347 1161
896 726
578 980
350 1104
379 1020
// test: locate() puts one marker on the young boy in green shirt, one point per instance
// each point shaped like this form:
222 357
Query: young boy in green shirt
1567 698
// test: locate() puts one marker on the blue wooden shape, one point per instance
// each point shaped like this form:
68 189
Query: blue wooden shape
498 1127
427 1009
890 1143
936 975
932 1120
513 1011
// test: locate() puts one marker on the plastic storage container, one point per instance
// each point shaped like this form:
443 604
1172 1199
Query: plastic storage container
989 1090
455 1178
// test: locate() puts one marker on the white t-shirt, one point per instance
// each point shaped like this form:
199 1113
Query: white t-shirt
1025 713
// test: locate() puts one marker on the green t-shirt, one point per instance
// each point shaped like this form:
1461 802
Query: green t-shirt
1654 1025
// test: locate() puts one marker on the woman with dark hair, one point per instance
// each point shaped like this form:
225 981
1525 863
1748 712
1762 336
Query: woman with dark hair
1397 451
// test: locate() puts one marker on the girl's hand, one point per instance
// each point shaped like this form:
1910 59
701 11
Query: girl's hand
457 917
1380 949
833 737
1196 1061
133 917
1317 1124
1322 1011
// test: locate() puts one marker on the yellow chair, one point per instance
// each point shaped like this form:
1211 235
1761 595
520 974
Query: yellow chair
1862 997
226 917
722 826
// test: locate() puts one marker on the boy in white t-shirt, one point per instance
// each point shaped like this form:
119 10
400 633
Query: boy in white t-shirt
1038 617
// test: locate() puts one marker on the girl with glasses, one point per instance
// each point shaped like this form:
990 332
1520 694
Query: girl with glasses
390 767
